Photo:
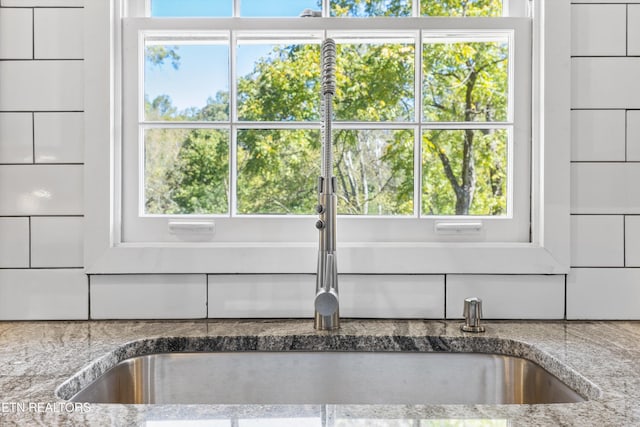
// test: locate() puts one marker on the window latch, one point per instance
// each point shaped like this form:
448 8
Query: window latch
310 13
192 231
458 227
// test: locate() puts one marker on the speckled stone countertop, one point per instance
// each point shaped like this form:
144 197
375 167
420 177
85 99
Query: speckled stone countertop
37 357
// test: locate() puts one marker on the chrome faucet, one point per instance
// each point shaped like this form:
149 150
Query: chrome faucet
327 307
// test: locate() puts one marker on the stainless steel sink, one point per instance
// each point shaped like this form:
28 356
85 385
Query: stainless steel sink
327 378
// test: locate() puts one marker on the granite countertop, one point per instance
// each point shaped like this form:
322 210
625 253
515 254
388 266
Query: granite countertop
37 357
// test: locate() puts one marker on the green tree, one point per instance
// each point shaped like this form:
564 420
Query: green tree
463 170
374 83
186 170
362 8
461 7
467 82
157 54
277 170
201 175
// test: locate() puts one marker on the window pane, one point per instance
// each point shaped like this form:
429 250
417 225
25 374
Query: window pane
278 171
457 184
277 8
364 8
465 81
191 8
461 7
186 171
186 81
374 171
278 82
374 82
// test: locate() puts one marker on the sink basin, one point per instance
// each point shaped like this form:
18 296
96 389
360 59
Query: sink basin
326 377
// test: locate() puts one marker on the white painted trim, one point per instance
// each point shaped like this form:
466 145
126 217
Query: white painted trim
373 258
100 129
548 253
552 135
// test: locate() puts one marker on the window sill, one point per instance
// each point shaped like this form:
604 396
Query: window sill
371 258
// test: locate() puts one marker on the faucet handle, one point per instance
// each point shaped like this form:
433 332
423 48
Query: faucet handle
472 315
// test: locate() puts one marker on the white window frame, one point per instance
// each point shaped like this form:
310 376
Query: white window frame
513 227
546 253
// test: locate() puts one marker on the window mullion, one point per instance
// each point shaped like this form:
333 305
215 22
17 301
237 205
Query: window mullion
233 88
233 171
184 124
465 125
233 117
417 156
276 125
372 125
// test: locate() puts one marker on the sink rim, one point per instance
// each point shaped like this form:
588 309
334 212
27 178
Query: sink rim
328 342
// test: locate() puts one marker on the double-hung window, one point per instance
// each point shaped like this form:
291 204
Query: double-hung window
216 148
222 127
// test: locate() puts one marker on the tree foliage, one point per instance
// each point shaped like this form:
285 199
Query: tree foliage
464 82
463 169
363 8
157 54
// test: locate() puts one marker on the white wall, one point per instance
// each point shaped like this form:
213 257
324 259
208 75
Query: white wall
41 156
41 206
605 161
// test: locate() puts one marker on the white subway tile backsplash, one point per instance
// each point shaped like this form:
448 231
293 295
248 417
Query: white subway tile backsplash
605 188
598 30
14 242
632 241
16 34
43 295
605 83
598 135
597 240
633 135
508 296
58 33
41 190
59 137
154 296
633 30
292 295
16 138
261 295
56 241
41 85
392 296
603 293
602 89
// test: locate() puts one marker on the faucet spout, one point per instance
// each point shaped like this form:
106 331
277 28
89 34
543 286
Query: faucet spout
327 313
